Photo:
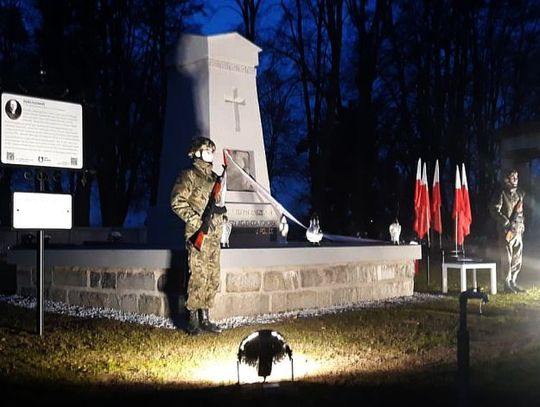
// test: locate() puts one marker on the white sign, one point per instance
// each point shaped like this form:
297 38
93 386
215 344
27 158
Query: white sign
36 210
41 132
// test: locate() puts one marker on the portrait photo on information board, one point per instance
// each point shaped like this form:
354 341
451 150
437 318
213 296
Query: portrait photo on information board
13 109
236 181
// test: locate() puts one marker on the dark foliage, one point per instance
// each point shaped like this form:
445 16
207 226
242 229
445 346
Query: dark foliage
352 93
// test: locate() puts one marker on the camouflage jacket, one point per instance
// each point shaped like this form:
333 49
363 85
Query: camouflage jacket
190 195
502 208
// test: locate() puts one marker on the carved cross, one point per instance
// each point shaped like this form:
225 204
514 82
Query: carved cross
235 100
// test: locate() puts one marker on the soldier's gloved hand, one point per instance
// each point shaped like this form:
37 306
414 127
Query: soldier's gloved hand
220 210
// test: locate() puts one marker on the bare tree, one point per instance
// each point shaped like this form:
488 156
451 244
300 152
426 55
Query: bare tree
371 30
303 43
13 41
249 10
455 72
113 60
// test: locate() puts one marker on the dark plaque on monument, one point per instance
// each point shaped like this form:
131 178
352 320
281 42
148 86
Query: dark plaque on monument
253 223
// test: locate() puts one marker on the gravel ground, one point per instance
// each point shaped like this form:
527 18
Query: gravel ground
161 322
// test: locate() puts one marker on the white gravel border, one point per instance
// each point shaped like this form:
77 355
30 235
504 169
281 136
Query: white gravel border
161 322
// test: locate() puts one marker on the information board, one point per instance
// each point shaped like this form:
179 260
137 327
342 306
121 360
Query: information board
38 210
41 132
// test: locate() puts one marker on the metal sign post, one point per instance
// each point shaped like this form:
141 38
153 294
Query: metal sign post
40 255
40 258
41 211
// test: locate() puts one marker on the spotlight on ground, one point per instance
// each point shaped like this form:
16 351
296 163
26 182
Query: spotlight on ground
261 349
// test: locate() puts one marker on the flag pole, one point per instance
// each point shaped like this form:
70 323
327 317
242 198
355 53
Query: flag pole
428 222
428 248
456 232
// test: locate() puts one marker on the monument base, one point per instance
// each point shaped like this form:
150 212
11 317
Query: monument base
272 280
165 229
252 237
253 281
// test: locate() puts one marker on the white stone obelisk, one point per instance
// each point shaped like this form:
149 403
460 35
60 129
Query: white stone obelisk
212 92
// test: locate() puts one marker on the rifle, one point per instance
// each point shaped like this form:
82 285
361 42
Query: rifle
518 210
197 239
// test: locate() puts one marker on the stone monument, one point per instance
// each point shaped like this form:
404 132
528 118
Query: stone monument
212 92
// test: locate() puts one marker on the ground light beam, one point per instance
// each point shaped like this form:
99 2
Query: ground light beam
224 370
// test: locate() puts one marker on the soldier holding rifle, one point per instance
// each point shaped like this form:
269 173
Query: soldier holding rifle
195 198
507 209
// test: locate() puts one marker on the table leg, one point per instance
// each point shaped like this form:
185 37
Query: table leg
463 273
493 274
444 279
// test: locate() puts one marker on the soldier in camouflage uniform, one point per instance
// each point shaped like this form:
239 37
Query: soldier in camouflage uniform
507 209
189 198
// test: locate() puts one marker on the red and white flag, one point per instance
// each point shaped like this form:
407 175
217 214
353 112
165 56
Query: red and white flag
424 208
467 216
457 212
417 193
436 202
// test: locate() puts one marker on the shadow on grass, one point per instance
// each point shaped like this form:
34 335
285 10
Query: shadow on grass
46 393
429 388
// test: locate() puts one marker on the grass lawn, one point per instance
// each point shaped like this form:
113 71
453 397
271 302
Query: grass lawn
378 356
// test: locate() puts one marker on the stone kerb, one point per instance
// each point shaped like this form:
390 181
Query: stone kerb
257 291
135 290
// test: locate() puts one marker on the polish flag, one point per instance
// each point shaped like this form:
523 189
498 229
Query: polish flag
457 212
424 208
437 201
417 193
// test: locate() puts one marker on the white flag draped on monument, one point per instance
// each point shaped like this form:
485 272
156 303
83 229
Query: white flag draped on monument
263 193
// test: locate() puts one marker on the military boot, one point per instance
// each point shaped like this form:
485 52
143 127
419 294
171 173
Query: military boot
509 288
205 323
193 327
517 288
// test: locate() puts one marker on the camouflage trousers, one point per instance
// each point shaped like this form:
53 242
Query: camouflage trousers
512 256
204 273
